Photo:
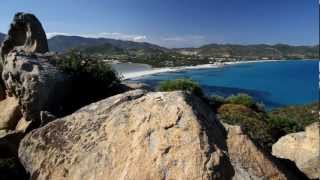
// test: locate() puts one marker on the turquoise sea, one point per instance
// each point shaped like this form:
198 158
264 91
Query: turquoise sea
275 84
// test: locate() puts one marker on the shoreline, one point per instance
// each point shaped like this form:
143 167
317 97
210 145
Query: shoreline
152 71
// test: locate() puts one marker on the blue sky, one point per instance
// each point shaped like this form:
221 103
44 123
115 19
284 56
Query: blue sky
176 23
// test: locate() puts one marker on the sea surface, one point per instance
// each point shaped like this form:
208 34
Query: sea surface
275 84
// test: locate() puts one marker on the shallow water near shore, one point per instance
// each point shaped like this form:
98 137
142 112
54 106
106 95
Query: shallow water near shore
275 84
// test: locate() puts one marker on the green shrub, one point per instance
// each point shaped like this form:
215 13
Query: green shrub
293 118
90 80
83 67
242 99
216 101
252 122
181 84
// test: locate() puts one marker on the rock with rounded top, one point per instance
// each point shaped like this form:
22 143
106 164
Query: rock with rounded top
27 73
25 34
135 135
303 148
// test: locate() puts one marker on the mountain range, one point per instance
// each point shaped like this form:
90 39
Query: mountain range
277 51
61 43
104 46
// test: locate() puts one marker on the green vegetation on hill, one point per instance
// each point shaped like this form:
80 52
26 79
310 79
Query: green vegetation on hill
278 51
206 54
62 43
91 80
293 118
181 85
254 123
105 48
265 128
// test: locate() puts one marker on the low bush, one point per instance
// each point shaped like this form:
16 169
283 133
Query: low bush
91 80
253 123
293 118
81 67
242 99
181 85
265 128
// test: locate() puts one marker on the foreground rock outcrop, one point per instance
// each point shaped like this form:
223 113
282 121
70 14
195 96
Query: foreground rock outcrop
25 34
27 73
35 82
248 160
9 113
130 136
139 135
303 148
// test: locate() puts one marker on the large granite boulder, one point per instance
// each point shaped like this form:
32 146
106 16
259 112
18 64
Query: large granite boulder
139 135
27 73
303 148
130 136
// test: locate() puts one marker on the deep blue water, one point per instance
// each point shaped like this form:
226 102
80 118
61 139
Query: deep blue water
274 84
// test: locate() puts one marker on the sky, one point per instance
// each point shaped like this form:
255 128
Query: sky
176 23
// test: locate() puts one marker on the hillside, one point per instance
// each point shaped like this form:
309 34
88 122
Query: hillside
259 51
62 43
157 56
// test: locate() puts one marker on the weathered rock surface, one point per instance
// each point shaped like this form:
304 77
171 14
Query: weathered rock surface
35 82
250 162
139 135
9 113
26 34
303 148
130 136
28 75
134 85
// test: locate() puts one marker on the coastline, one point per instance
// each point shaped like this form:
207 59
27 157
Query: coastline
138 74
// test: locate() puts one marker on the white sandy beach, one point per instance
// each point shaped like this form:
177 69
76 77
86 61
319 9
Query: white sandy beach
141 73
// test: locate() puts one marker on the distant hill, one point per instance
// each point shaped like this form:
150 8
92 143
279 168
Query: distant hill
105 48
2 36
62 43
157 56
278 51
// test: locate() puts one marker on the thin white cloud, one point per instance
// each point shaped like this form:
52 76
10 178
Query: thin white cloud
111 35
190 40
140 38
51 34
187 38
